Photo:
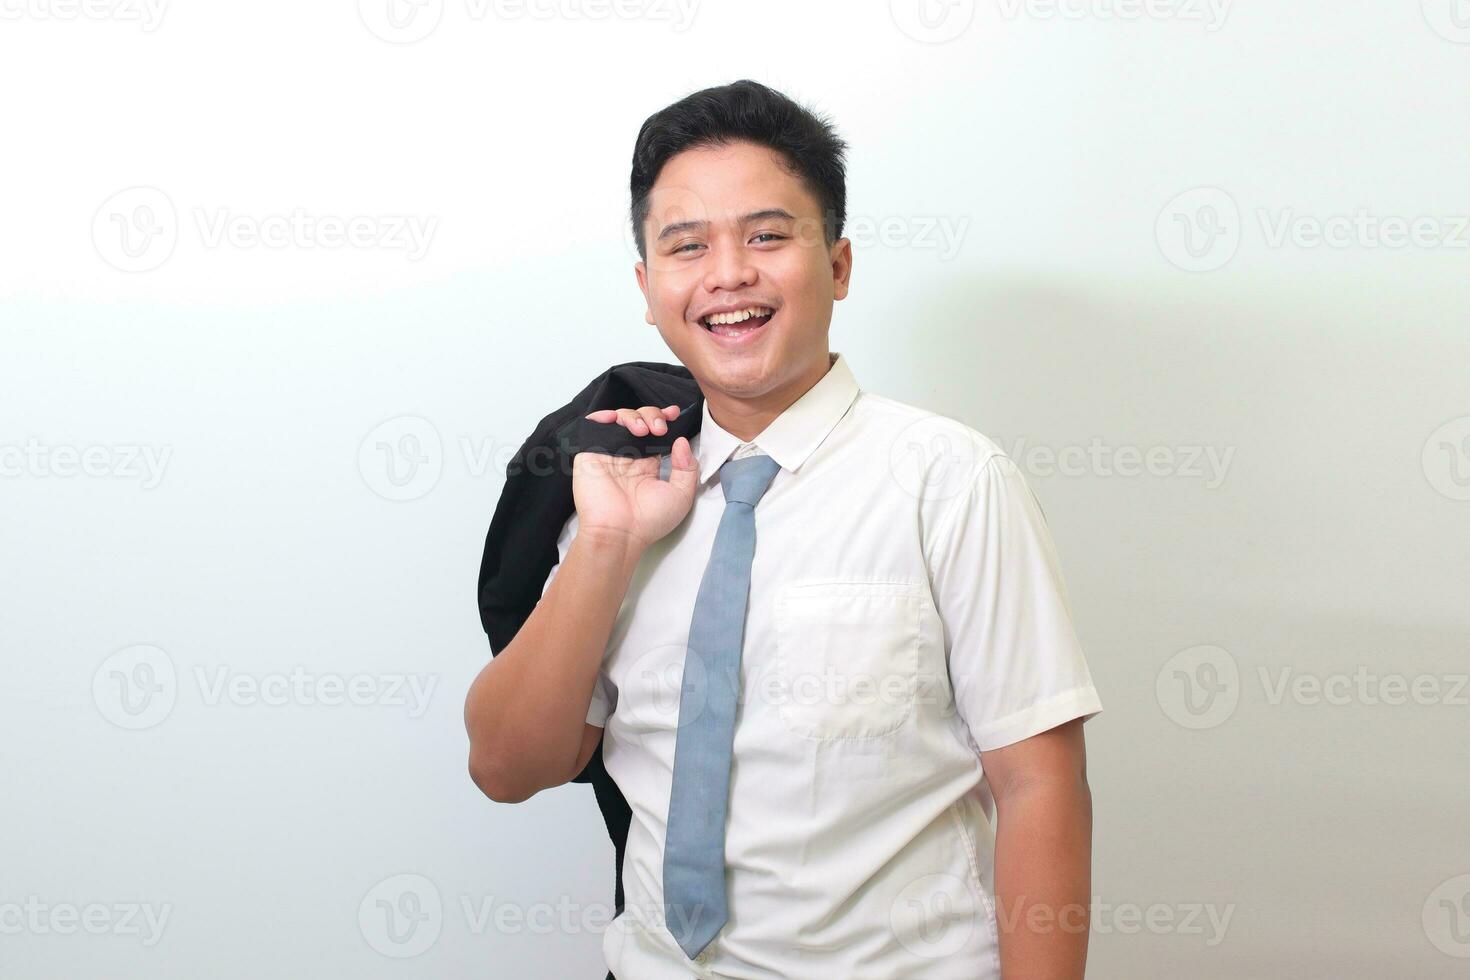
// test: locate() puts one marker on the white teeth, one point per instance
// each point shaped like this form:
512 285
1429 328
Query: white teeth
737 316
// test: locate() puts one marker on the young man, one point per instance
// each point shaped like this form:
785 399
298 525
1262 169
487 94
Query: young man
839 683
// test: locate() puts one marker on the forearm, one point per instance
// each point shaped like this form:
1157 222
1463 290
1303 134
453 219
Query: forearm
526 711
1043 879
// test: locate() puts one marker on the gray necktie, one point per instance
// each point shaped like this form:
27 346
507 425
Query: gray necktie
694 850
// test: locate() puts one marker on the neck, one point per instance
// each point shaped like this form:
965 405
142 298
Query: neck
746 418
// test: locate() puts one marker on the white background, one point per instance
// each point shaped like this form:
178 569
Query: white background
329 428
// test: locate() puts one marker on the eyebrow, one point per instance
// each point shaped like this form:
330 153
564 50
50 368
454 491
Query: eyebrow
762 215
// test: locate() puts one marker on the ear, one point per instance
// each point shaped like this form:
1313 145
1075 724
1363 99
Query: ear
841 267
640 271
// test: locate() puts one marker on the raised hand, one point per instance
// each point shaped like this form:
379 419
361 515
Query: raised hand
617 495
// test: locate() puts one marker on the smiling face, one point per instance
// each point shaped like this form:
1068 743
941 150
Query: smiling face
729 228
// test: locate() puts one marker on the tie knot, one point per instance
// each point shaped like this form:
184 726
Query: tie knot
747 479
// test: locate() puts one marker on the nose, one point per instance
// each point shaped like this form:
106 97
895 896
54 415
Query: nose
728 267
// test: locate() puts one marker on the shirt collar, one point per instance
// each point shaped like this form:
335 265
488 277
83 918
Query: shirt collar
794 434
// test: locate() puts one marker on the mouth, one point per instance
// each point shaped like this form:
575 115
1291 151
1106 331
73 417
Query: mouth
740 334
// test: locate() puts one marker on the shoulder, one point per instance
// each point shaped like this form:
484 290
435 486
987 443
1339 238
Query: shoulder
875 411
934 458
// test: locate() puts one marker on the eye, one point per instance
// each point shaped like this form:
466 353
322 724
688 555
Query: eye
687 245
769 234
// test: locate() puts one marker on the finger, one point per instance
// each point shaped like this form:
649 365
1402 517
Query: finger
632 421
654 419
603 415
684 473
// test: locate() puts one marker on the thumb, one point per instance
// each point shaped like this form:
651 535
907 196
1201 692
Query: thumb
684 472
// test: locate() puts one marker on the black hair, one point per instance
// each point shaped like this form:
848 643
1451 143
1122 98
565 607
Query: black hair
743 111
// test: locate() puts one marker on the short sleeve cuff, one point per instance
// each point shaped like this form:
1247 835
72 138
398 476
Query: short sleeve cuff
597 711
1080 702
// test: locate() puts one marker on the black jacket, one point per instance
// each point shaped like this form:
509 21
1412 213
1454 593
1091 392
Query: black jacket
536 501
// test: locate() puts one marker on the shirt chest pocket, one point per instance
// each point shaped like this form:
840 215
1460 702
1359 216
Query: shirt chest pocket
847 656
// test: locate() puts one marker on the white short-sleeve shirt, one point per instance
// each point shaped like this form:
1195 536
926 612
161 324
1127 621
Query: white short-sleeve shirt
906 611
